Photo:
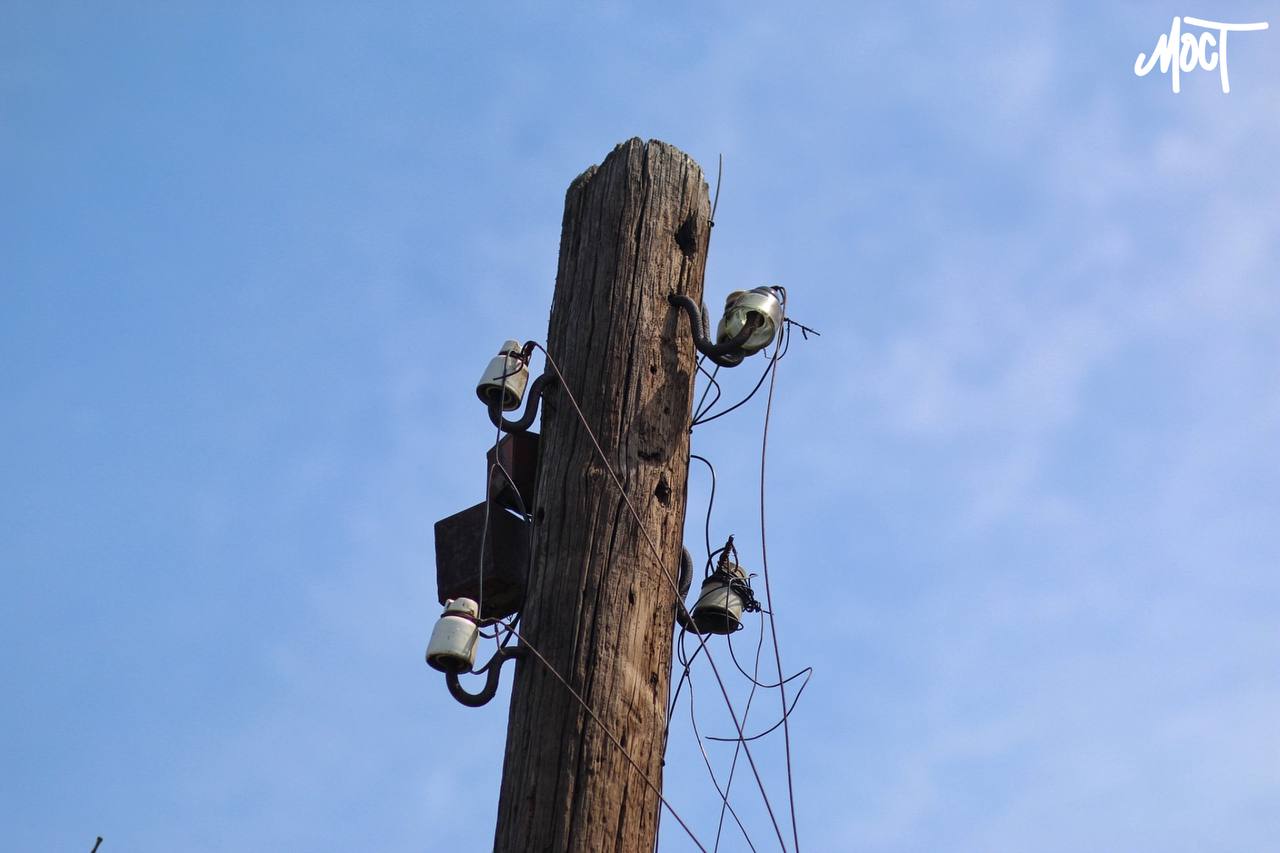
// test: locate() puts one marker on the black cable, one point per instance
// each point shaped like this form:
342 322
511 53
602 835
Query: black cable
775 726
746 711
699 410
687 662
711 555
706 759
784 344
776 684
666 727
711 501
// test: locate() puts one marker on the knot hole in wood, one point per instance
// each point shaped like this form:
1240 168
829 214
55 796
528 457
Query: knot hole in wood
687 236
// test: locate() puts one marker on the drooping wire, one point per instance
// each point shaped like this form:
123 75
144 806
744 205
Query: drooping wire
807 671
700 416
711 502
733 766
780 351
564 385
773 627
706 759
771 728
771 373
687 662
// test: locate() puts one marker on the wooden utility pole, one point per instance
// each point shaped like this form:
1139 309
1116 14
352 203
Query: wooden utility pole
598 606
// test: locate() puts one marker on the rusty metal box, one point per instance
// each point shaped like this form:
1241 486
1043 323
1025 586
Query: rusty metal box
506 559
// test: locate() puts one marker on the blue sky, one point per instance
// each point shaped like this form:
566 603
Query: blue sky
1023 491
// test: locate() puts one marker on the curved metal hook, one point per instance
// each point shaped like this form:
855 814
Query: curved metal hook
727 354
530 408
494 666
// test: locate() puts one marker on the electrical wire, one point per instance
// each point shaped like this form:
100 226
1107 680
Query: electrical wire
711 502
784 344
733 766
808 670
771 373
773 627
706 759
771 728
687 662
699 409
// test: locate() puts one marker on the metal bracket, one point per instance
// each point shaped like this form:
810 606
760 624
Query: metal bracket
727 354
494 666
530 408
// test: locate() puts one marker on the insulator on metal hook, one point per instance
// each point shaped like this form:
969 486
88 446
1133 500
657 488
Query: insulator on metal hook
751 320
505 378
453 640
741 306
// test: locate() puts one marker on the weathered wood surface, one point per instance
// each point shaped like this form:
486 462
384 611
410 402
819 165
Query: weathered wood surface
598 606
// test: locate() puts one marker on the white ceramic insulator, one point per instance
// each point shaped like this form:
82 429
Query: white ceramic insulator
718 609
453 641
505 377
